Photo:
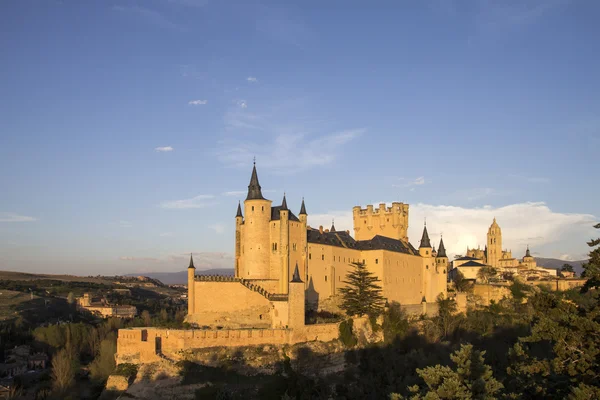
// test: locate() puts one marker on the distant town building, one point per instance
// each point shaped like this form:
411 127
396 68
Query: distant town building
105 310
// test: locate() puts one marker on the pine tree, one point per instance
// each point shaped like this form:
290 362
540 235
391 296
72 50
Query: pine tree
362 295
591 269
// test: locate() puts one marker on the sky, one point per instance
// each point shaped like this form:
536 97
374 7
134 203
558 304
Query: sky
128 128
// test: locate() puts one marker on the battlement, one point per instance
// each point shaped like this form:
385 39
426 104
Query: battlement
396 208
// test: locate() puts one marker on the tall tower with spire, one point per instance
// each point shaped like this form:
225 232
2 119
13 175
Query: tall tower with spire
191 286
255 249
494 244
239 220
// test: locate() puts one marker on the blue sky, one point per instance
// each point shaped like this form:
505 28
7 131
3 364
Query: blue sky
128 128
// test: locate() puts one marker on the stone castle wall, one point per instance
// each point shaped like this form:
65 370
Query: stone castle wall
142 345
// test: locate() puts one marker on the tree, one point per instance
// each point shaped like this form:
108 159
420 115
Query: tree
362 295
470 379
591 269
70 298
485 273
461 284
104 363
63 375
446 319
567 268
146 318
395 323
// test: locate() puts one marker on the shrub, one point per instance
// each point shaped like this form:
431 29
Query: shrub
346 334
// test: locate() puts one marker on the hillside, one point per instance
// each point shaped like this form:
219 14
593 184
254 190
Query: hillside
557 264
174 278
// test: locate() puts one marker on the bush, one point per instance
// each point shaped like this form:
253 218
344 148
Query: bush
395 323
346 335
126 369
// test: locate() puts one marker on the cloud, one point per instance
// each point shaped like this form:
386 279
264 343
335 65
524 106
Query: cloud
218 228
129 258
125 224
12 217
242 103
416 182
197 102
251 79
150 16
164 149
201 201
235 193
547 232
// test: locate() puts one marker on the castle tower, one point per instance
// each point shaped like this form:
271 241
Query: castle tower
191 286
441 258
425 245
255 240
284 218
494 244
303 217
390 222
239 220
296 301
428 264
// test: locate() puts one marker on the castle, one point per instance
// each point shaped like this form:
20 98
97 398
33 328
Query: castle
502 260
282 264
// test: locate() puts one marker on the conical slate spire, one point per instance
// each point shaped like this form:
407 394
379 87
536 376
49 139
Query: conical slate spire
425 239
254 192
441 249
332 226
239 210
191 261
303 208
296 276
527 253
284 203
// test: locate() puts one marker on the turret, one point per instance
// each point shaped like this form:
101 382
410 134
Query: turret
239 220
255 247
296 300
191 286
303 217
284 218
332 226
441 258
425 245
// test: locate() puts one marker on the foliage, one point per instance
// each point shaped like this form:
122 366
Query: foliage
591 269
519 291
346 333
486 273
126 369
104 363
446 319
461 284
567 267
362 295
395 323
63 374
471 379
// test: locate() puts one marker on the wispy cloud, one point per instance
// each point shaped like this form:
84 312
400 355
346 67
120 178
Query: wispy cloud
218 228
201 201
252 79
197 102
242 103
164 149
12 217
234 193
150 16
550 233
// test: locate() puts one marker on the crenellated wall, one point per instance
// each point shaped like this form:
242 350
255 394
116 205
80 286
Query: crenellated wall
142 345
390 222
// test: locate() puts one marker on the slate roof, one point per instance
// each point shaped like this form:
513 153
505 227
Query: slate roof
466 258
471 264
343 239
303 208
239 210
296 276
441 249
425 239
275 214
254 192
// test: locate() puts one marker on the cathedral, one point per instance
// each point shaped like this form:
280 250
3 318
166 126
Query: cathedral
274 248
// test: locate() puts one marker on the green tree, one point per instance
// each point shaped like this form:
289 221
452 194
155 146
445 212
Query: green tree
395 323
71 298
461 284
567 267
362 295
591 269
63 375
104 363
146 318
446 319
486 273
470 379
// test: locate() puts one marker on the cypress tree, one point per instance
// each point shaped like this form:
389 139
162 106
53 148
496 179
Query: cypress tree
362 295
591 269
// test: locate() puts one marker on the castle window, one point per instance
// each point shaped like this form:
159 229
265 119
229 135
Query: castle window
427 267
294 246
323 257
427 252
263 208
310 256
252 208
444 271
388 220
325 278
363 261
377 261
